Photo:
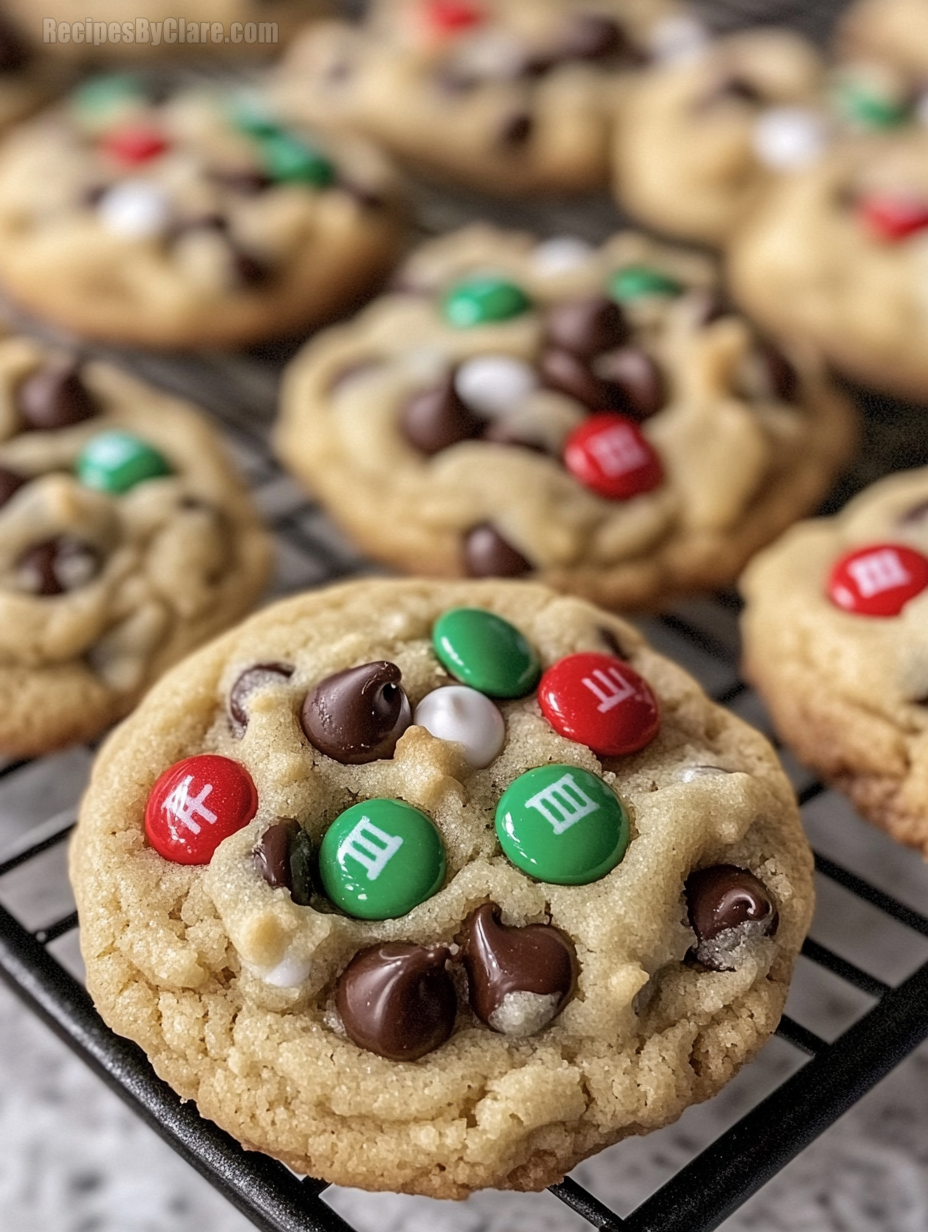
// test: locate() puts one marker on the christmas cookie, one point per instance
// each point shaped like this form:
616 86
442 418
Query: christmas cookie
835 640
507 97
597 417
838 254
698 140
125 541
435 886
111 30
188 218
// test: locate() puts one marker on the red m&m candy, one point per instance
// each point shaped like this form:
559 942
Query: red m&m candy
601 702
894 218
196 804
451 16
131 146
878 580
609 455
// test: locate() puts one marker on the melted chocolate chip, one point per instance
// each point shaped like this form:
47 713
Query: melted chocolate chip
199 222
612 643
249 271
14 53
10 483
569 375
710 305
591 36
780 373
257 677
732 88
500 961
436 418
248 183
397 1000
54 396
56 566
586 326
283 857
516 129
634 384
487 554
359 714
721 899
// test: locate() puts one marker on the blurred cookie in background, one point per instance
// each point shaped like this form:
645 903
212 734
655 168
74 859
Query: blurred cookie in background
599 418
506 97
893 30
126 540
189 216
838 256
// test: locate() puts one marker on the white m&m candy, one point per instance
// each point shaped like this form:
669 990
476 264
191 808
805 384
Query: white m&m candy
466 716
135 209
789 138
560 255
493 385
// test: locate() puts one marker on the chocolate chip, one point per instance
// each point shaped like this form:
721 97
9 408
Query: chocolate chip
397 1000
93 195
56 566
782 376
726 904
915 514
569 375
283 856
10 483
248 183
710 305
516 129
487 554
586 326
359 714
272 854
453 79
54 396
612 643
503 962
591 36
731 87
260 676
14 53
433 419
249 271
634 384
199 222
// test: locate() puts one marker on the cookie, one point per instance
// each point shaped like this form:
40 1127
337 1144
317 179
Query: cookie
892 30
190 218
117 31
697 141
598 417
435 886
834 636
506 97
25 82
836 255
125 542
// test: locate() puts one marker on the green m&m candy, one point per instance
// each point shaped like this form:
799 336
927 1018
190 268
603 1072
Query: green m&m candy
869 107
482 299
486 652
562 824
639 281
101 101
116 461
289 160
381 858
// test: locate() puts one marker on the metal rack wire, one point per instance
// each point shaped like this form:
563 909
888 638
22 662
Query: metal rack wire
832 1075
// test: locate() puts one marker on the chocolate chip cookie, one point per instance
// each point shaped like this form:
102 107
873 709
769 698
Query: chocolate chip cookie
600 418
835 640
890 30
125 541
435 886
697 141
506 97
187 218
837 255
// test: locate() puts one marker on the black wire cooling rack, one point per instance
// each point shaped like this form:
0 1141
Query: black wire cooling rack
828 1075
